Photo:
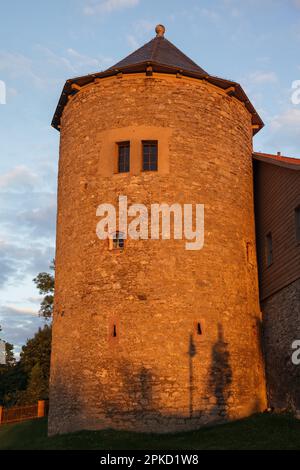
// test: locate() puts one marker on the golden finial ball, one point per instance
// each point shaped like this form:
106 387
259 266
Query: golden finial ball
160 30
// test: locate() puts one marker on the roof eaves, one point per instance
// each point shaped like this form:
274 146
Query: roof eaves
285 162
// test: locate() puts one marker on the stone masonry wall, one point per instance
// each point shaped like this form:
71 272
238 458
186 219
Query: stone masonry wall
158 374
281 314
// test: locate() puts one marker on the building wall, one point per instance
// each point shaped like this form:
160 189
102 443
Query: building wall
277 193
281 329
158 374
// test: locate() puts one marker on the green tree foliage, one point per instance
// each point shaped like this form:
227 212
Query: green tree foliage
12 378
35 362
26 381
9 354
45 284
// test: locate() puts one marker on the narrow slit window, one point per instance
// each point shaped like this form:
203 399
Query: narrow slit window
150 155
199 329
269 249
123 157
297 221
114 332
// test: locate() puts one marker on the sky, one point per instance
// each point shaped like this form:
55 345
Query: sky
253 42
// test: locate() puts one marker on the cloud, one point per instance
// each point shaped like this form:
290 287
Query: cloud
17 261
284 133
18 179
80 61
260 77
210 14
40 221
132 41
107 6
18 325
15 310
140 28
17 65
48 68
73 61
288 120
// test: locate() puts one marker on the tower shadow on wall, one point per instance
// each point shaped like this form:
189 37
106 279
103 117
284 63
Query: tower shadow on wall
191 353
136 395
220 375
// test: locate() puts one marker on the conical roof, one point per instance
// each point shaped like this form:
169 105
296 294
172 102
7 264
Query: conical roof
160 51
157 56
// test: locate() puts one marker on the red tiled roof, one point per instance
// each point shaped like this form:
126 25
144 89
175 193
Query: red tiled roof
287 162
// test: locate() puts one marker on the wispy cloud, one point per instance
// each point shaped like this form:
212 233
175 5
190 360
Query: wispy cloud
18 179
15 310
132 41
16 65
96 7
19 324
137 37
261 77
17 261
210 14
72 61
284 132
47 67
289 120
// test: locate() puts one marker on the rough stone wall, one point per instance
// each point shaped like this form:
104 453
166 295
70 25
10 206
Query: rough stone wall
158 375
281 314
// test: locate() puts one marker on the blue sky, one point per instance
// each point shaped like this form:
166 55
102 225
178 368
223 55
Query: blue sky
256 43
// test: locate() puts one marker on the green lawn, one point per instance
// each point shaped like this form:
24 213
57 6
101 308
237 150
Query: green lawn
262 431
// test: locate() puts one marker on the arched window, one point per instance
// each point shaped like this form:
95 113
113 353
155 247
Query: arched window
117 241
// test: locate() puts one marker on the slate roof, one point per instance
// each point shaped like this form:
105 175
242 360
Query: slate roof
157 56
160 51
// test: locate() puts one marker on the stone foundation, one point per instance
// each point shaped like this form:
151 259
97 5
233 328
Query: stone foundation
281 314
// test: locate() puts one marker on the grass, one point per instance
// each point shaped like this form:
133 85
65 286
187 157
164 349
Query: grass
262 431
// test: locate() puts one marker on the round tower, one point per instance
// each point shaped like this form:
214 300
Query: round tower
147 335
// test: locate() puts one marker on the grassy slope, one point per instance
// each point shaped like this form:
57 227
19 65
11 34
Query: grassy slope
256 432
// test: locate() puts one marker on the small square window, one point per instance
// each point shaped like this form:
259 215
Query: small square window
150 155
123 157
117 241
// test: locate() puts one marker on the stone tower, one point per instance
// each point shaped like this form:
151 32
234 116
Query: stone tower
151 336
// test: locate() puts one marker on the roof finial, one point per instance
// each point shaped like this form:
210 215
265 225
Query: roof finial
160 30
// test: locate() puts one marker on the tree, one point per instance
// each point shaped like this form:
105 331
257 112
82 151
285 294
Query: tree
37 386
9 354
45 284
35 363
12 378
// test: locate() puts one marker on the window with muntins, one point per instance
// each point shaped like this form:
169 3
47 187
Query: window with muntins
150 155
123 157
118 241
